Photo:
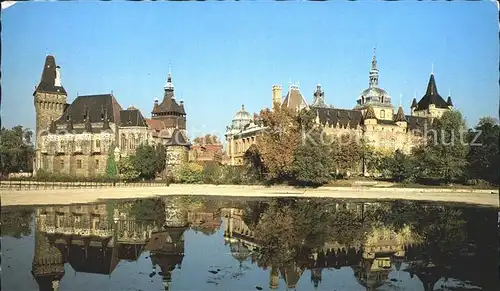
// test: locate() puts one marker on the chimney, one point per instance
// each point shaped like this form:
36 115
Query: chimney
276 96
57 81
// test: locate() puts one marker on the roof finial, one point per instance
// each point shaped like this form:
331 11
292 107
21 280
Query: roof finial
432 69
290 83
169 68
449 91
242 107
374 58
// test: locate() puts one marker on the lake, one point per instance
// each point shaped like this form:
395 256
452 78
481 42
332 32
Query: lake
219 243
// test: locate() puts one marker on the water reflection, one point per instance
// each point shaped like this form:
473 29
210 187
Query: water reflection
368 244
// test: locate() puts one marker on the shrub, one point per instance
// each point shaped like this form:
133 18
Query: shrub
212 173
189 173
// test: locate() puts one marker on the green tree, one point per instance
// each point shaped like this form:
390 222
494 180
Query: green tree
16 222
16 150
313 162
111 167
254 164
161 156
190 173
399 166
145 161
212 172
347 153
127 169
484 157
443 156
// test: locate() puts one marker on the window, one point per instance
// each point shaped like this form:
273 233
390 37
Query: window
61 145
97 164
382 113
61 163
78 164
97 143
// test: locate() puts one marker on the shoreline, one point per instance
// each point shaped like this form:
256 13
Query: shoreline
73 196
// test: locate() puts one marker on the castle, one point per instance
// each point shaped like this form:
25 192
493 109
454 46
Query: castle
372 119
76 138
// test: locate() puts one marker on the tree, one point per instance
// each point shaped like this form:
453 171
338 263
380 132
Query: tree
399 166
161 156
206 139
313 162
347 153
16 150
111 167
149 160
484 157
443 155
254 164
190 173
127 169
279 141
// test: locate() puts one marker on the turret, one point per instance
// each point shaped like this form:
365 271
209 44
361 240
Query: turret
413 105
276 96
449 103
370 117
401 118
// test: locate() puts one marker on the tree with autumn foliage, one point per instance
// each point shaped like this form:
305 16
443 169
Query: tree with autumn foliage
206 139
278 143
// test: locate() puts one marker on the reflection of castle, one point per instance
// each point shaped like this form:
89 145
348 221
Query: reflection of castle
371 259
95 238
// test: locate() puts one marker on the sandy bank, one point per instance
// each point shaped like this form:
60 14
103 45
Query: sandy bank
68 196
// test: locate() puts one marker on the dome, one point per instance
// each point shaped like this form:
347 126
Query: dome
374 95
374 92
241 119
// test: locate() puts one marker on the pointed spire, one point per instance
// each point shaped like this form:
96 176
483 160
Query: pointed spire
448 101
414 103
400 116
431 87
370 113
374 71
169 85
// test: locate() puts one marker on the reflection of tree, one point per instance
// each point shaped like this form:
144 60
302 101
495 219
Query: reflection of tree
16 221
148 209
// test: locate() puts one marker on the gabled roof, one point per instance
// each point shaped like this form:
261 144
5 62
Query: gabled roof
294 99
132 117
47 82
97 105
370 113
431 97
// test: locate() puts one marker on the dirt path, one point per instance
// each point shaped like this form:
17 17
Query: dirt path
69 196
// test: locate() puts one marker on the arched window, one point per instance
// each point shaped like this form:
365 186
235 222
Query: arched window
123 141
382 113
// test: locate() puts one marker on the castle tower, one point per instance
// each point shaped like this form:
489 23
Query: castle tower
49 97
276 97
431 105
169 111
375 96
319 97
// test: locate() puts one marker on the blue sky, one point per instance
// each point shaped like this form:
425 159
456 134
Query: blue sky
225 54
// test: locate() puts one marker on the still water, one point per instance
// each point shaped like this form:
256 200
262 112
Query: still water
202 243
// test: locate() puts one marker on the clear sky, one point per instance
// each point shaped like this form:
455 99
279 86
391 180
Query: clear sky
226 54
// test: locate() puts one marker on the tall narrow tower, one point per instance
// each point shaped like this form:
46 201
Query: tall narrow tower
49 96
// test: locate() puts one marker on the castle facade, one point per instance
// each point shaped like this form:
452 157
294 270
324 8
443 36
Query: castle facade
77 138
373 118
